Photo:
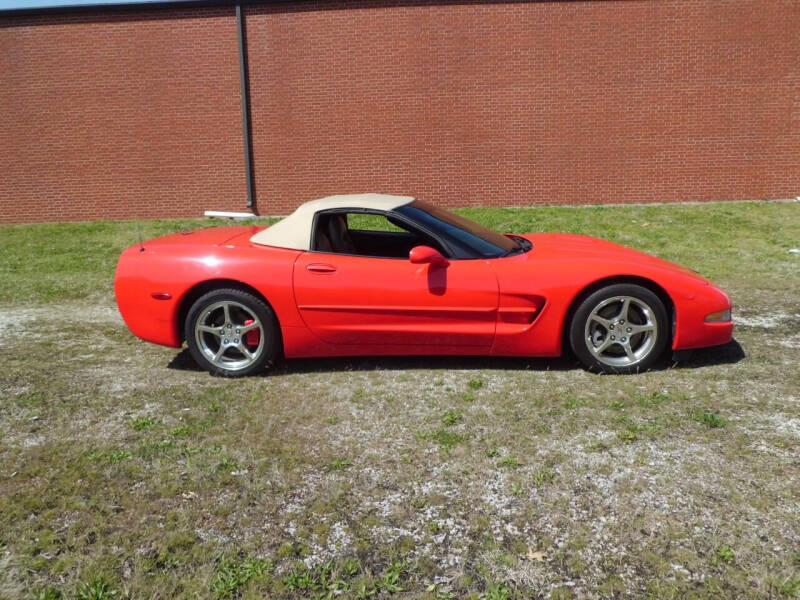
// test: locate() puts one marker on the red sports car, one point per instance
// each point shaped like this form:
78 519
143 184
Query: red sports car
371 274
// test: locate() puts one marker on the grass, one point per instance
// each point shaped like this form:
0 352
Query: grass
124 473
58 262
74 261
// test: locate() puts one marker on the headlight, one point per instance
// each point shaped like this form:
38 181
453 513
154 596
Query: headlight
721 316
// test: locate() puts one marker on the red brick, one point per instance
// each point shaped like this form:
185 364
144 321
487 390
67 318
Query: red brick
119 115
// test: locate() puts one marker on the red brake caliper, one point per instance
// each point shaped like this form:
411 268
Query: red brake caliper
253 336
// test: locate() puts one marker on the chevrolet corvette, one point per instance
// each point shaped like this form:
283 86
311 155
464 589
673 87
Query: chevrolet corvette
371 274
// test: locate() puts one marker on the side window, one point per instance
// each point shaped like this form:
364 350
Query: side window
366 234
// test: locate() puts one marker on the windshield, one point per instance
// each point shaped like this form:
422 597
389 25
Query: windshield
462 231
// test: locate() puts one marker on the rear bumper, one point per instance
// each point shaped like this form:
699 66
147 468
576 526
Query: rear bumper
148 318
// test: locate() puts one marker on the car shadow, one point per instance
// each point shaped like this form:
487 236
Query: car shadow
183 361
436 363
730 353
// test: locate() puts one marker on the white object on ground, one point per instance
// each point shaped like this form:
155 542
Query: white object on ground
229 215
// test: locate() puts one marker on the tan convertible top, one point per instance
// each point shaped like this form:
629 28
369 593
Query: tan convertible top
295 230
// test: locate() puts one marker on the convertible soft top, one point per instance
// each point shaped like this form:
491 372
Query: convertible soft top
295 230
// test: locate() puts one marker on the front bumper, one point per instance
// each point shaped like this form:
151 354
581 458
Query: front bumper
691 328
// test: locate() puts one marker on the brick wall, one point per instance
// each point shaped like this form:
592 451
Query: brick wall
459 103
119 114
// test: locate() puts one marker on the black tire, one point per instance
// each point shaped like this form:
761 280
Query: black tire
223 314
607 339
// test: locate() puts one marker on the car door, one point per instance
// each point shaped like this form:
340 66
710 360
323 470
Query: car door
372 301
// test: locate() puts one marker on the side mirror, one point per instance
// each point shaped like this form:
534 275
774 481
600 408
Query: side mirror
421 255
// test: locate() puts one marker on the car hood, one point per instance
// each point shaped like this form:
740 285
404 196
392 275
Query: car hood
571 247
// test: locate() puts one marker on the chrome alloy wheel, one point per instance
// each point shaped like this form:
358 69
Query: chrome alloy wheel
224 334
621 331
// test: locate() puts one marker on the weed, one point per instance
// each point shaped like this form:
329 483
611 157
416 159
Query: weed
654 399
598 446
508 461
191 450
350 566
149 449
141 423
300 579
180 431
451 417
496 591
233 574
329 582
337 464
332 420
572 403
790 587
629 433
94 455
709 419
492 453
543 476
723 554
118 456
475 383
97 589
446 439
49 593
390 580
226 464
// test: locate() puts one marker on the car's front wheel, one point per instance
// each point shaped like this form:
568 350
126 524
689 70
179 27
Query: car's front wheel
622 328
232 333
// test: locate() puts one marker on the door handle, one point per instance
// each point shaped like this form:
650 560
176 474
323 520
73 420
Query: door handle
320 268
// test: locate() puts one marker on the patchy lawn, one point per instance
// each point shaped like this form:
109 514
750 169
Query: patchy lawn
123 469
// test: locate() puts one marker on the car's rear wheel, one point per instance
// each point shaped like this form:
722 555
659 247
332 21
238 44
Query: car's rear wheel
232 333
622 328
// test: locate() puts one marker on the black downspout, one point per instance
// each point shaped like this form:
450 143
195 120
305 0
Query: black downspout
245 87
